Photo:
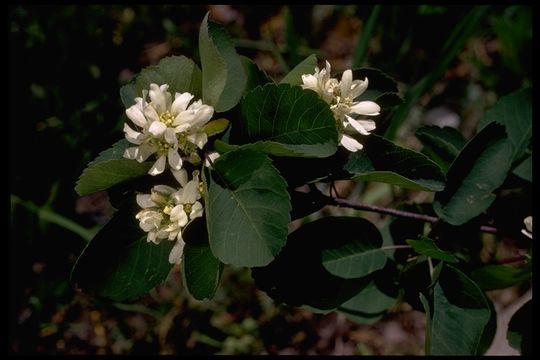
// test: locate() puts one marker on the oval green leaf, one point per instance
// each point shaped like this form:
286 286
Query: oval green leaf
480 168
119 263
110 168
247 208
179 72
286 121
382 160
360 255
223 76
460 314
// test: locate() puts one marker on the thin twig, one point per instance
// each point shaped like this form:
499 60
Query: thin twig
395 247
395 212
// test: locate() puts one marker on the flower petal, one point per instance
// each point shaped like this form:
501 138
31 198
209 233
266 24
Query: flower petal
150 114
158 98
190 192
184 117
181 102
350 144
135 114
358 87
202 116
181 217
151 237
196 210
358 126
131 152
164 189
199 139
175 256
346 81
144 201
528 221
310 81
145 150
132 136
170 137
181 176
157 128
159 166
175 161
366 108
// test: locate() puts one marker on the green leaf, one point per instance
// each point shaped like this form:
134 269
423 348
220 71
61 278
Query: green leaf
223 76
307 66
360 255
119 263
255 76
525 169
491 277
441 145
514 111
519 333
297 276
247 208
222 147
286 121
426 246
382 160
215 127
460 314
110 168
179 72
480 168
201 271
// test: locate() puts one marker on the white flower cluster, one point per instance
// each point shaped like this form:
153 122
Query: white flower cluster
173 130
166 211
340 96
166 127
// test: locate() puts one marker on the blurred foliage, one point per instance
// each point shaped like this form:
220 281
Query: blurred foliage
66 65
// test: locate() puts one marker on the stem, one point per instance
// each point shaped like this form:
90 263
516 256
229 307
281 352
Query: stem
430 263
394 247
55 218
398 213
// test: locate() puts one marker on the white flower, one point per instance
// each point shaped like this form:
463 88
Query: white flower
528 227
340 96
167 127
166 211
